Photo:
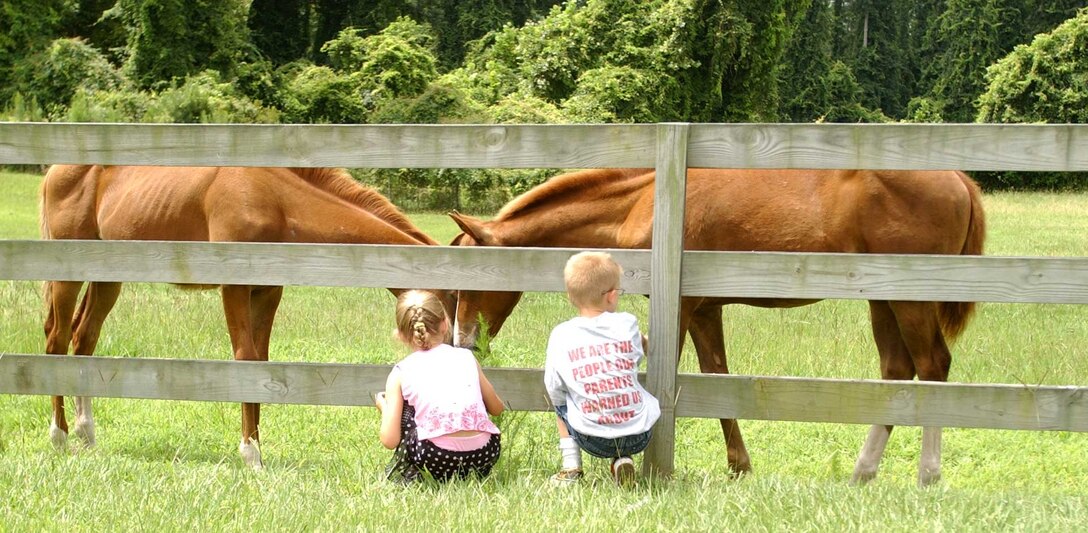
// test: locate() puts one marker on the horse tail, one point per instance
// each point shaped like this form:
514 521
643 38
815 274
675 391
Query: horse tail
43 228
954 316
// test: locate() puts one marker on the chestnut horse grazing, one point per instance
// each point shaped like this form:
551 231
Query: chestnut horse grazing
201 204
761 210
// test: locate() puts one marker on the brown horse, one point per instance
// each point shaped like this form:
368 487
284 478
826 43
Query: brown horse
761 210
201 204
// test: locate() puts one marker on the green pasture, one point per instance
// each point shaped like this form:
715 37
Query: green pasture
174 466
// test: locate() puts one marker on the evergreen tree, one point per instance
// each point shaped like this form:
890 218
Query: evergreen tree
807 62
965 40
1033 17
876 45
923 17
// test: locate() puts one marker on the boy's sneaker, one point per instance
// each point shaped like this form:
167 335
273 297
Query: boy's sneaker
623 471
569 476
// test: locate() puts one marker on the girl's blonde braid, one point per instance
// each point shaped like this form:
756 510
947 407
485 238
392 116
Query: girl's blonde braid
419 327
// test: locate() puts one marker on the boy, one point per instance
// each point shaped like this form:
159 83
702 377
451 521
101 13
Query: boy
591 373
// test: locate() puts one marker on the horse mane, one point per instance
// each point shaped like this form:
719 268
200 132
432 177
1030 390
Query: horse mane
339 183
565 185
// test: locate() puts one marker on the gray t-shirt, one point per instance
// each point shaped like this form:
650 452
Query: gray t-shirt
592 368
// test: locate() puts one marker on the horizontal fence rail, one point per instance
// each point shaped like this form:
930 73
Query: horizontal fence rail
358 146
734 274
907 403
1057 147
1029 147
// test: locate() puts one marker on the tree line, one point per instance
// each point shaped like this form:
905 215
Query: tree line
546 61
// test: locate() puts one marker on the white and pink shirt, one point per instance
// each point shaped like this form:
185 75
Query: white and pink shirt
443 384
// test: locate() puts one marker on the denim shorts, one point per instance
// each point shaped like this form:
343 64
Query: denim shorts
605 447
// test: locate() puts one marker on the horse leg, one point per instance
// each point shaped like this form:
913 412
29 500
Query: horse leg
706 335
87 327
60 297
920 327
895 363
236 307
264 301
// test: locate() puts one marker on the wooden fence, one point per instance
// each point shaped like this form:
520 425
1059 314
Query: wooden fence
665 273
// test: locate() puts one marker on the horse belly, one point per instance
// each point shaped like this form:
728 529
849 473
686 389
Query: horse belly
769 226
149 206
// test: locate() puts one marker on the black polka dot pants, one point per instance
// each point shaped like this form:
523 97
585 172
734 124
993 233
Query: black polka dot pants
443 464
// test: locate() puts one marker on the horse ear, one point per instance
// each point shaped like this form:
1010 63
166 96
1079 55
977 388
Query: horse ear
474 227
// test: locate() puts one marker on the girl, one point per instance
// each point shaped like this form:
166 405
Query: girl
443 395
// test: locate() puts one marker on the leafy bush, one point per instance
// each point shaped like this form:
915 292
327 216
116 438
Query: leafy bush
712 61
926 109
320 95
1045 81
618 94
128 105
258 81
521 108
347 52
65 66
437 104
23 109
844 95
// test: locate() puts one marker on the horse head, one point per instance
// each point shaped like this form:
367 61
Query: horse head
479 307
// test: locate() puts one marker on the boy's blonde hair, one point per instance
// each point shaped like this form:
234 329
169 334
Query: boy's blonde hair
420 317
589 275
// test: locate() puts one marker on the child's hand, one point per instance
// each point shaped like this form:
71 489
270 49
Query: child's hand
645 345
379 400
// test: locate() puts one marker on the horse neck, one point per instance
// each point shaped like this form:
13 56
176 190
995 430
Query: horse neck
340 184
581 209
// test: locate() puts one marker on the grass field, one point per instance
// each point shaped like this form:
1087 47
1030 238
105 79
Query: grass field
174 466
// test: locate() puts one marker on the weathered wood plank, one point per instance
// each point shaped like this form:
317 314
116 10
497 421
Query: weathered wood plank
887 277
353 146
908 403
890 146
229 381
737 274
330 265
893 146
665 271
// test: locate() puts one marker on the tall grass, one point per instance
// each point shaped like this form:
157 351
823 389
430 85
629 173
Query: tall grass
174 465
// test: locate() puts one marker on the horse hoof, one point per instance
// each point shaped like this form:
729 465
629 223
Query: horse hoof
738 471
58 437
251 454
928 477
862 477
85 433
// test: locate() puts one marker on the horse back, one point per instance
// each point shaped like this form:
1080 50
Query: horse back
218 204
829 211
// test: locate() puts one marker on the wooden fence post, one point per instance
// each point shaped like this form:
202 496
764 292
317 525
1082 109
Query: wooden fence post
665 264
